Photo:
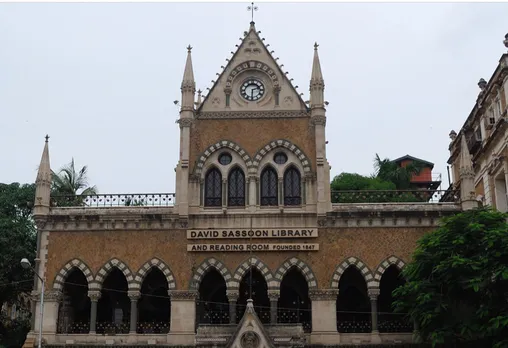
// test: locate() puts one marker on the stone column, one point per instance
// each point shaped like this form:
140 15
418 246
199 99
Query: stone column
232 298
94 299
373 294
183 317
52 300
134 297
273 295
324 316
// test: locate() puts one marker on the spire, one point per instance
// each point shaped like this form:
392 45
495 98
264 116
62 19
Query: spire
43 183
188 74
466 174
317 84
317 76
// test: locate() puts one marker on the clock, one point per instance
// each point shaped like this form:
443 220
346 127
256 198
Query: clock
252 89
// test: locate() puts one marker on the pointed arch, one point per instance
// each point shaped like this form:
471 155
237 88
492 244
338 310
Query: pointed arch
358 264
269 186
107 268
292 182
383 266
213 187
201 270
236 187
253 262
302 266
304 160
64 272
217 146
154 263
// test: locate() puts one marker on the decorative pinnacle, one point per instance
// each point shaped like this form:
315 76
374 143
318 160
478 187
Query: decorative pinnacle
46 137
316 45
252 8
505 41
189 48
200 91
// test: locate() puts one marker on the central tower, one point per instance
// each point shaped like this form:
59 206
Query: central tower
252 144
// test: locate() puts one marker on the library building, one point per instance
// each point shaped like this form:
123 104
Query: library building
253 250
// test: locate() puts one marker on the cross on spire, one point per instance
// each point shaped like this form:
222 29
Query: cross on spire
252 8
46 137
189 48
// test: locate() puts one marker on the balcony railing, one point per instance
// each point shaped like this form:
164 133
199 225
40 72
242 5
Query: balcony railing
393 196
114 200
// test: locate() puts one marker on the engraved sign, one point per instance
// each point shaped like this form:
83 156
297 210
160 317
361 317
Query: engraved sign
236 233
253 247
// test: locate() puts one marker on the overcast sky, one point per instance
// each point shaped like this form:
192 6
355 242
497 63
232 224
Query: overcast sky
101 79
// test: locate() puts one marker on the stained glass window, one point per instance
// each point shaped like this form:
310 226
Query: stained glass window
213 188
236 188
269 187
292 187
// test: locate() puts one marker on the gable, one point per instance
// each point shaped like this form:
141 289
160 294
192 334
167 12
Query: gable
250 332
252 60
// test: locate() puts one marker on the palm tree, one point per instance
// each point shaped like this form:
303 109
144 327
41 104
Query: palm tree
387 170
68 182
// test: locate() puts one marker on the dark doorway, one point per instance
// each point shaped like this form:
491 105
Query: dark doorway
353 303
113 308
74 310
213 305
388 320
294 305
154 305
253 285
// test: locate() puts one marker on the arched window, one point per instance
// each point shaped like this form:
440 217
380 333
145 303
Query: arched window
213 188
236 188
269 194
292 187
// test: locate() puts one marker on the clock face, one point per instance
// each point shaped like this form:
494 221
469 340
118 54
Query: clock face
252 89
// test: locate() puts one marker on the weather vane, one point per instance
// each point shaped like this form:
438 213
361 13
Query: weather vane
252 8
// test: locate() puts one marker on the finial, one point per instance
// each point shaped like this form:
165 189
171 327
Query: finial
505 41
46 137
316 45
189 48
252 8
482 84
200 91
453 135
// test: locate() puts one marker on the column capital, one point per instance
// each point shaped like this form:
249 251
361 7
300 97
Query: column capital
134 295
373 294
52 296
94 295
232 295
273 295
183 295
323 294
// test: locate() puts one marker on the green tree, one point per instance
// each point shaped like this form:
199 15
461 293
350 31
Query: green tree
17 240
69 185
387 170
457 282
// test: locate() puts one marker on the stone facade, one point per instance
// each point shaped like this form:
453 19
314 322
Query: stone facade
486 133
101 263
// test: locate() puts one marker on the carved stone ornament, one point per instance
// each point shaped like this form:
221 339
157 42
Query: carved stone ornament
53 296
94 295
251 114
322 222
185 122
249 339
319 120
273 295
183 295
323 294
252 65
373 294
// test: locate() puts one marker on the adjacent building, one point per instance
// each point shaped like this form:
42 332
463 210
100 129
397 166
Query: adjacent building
484 136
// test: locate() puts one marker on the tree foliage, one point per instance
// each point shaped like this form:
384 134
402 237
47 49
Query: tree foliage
457 283
17 240
387 170
69 185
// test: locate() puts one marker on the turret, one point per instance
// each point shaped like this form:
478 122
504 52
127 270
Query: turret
43 184
318 119
186 118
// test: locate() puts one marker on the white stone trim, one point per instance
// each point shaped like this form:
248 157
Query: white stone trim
65 271
302 266
383 266
107 268
154 263
203 268
358 264
253 262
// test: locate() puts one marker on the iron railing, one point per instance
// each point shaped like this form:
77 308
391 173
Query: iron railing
153 327
354 326
110 328
393 196
295 316
114 200
215 317
73 328
394 322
